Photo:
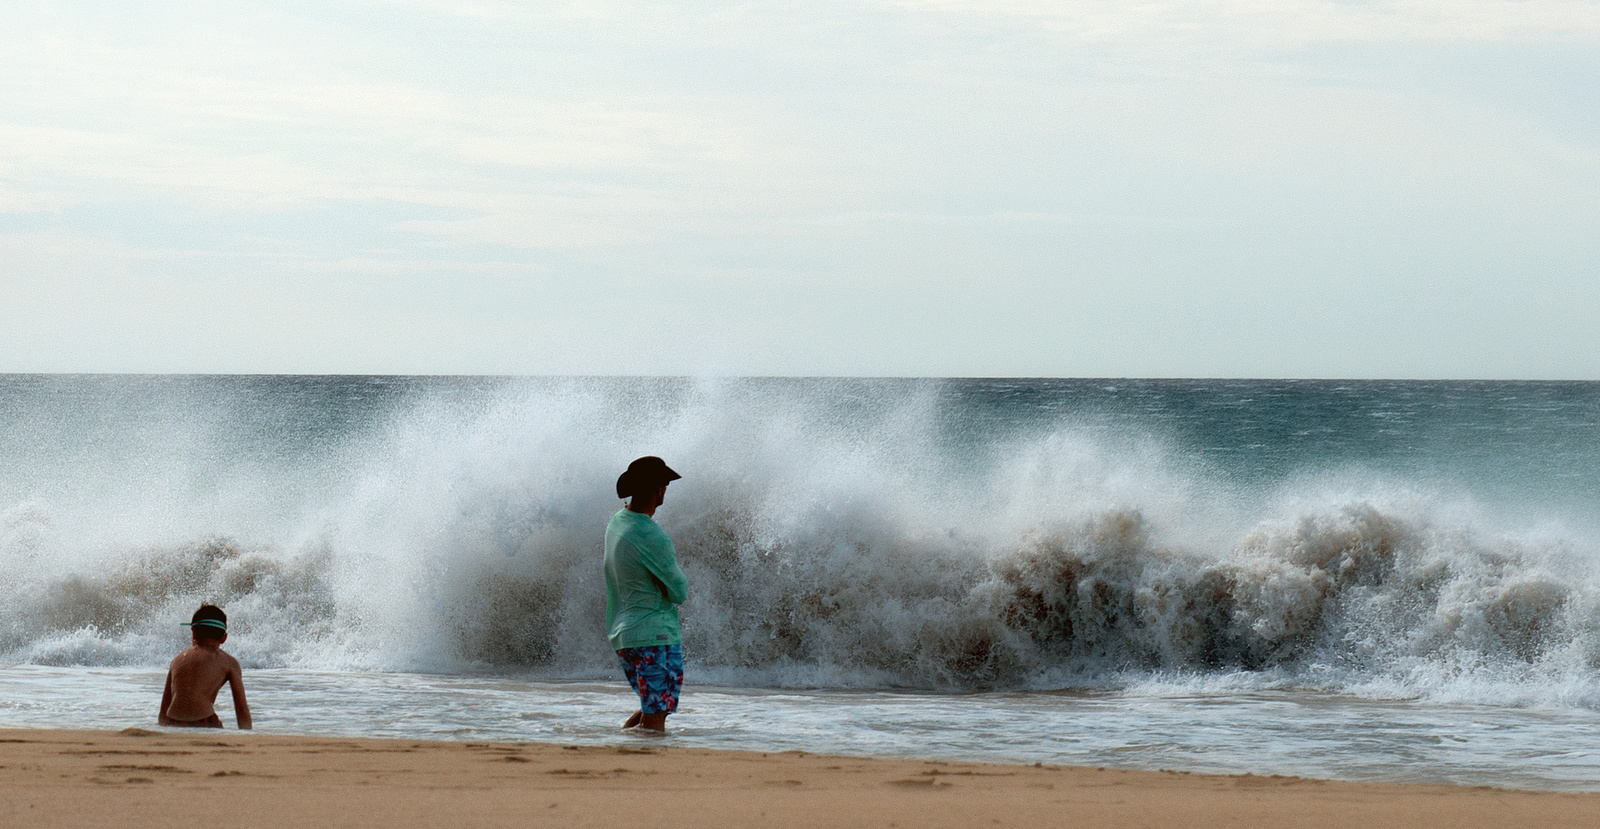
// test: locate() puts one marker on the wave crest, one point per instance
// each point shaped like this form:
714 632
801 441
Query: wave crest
825 547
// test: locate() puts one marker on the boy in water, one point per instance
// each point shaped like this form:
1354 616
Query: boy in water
198 673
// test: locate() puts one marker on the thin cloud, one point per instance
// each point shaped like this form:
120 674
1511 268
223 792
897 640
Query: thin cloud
1276 22
825 185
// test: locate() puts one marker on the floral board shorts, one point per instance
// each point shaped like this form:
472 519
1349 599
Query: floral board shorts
656 674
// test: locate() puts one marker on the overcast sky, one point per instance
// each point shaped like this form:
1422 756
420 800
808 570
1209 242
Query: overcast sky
1245 188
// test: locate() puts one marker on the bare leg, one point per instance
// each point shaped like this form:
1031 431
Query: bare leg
654 722
633 720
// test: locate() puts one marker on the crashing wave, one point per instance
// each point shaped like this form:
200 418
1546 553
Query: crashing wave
827 544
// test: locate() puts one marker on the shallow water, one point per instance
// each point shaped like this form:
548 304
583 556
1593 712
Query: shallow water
1261 732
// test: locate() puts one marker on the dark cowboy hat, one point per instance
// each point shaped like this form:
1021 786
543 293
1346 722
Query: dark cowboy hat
643 475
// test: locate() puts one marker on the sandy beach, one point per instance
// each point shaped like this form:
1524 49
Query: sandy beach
146 777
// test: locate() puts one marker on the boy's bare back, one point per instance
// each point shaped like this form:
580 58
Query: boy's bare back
193 681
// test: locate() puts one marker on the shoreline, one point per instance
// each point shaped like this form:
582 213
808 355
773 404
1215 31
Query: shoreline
142 777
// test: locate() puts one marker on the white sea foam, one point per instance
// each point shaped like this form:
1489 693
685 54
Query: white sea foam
831 538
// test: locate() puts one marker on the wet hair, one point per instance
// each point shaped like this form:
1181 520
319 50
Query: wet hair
209 612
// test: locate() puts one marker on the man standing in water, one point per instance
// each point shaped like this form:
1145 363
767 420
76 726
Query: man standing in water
643 590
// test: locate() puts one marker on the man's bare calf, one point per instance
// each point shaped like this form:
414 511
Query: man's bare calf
648 722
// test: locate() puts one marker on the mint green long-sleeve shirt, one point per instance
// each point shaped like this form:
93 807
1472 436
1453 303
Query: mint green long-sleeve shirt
643 583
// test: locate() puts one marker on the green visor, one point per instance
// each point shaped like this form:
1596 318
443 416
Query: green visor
209 623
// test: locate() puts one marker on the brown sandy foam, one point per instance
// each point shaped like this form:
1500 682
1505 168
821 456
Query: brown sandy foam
140 777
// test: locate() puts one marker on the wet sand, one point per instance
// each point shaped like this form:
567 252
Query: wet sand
149 777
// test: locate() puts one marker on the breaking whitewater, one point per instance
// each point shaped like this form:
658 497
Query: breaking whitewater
1381 540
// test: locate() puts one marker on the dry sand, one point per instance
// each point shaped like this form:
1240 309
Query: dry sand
141 777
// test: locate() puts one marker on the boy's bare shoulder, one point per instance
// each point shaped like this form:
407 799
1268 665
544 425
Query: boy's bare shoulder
212 658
